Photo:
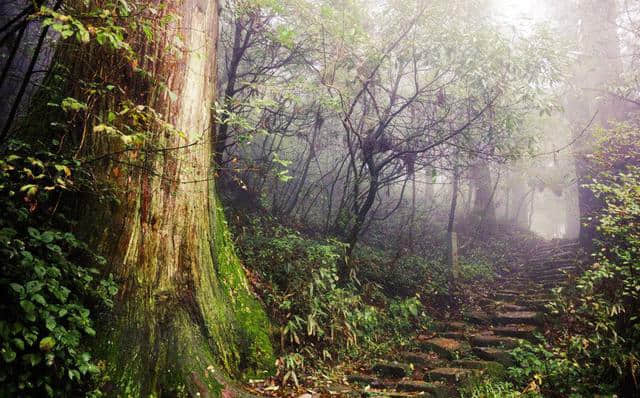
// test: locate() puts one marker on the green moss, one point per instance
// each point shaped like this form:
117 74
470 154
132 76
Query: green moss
150 353
187 338
256 352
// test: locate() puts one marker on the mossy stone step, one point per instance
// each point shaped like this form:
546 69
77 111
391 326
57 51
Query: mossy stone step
550 273
516 292
450 326
534 304
363 379
377 393
553 285
494 354
478 317
512 307
525 332
491 368
494 341
454 335
421 359
432 388
392 369
446 348
508 297
390 387
526 317
449 375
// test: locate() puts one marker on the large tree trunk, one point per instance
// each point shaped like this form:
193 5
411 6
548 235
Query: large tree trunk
185 319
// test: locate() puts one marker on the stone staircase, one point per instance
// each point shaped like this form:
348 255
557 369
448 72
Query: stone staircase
458 352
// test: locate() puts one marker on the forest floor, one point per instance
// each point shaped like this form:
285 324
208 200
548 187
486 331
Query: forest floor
462 349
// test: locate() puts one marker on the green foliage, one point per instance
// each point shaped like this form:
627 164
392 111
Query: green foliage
318 319
401 277
49 279
314 313
476 267
489 388
546 369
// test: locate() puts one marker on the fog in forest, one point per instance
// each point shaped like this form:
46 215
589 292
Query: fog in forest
318 198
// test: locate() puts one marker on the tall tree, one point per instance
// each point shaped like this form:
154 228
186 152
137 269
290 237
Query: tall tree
184 319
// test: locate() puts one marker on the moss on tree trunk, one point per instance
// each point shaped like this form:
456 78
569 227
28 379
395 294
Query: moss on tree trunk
185 320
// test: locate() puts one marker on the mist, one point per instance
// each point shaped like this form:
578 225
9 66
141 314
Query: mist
320 198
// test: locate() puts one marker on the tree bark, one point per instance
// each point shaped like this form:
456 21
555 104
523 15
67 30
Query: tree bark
185 319
484 212
452 216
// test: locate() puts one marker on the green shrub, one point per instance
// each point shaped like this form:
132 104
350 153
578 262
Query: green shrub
49 279
489 388
548 369
475 266
318 318
403 276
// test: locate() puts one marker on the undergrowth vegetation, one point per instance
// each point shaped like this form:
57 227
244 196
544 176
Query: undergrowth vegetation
51 280
318 320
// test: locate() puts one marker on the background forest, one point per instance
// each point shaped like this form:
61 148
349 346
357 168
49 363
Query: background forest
258 197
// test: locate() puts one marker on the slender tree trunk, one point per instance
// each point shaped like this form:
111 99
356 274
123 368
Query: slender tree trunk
484 211
363 210
452 217
184 319
240 45
305 169
412 219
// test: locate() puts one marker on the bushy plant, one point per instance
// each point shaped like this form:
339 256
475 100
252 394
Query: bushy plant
320 319
401 276
317 317
49 279
547 369
489 388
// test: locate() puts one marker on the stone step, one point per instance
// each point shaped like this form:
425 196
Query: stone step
552 264
490 368
450 326
448 375
510 291
381 387
421 359
432 388
506 296
518 331
444 347
478 317
526 317
494 341
547 276
495 355
548 280
536 304
392 369
512 307
454 335
551 285
380 393
363 379
552 272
